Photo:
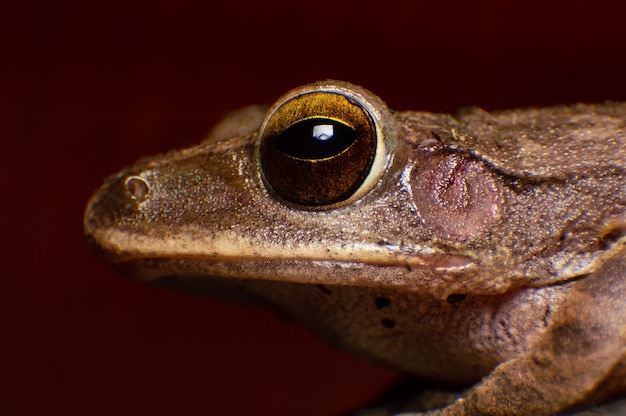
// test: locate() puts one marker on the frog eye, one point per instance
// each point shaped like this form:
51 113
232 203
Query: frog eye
318 148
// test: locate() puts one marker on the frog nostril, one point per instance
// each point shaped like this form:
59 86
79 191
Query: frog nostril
137 187
388 323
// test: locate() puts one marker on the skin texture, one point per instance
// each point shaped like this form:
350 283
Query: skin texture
480 249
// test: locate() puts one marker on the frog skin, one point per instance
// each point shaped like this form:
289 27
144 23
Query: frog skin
477 249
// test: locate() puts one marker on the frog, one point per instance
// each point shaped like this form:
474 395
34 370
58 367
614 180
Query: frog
485 250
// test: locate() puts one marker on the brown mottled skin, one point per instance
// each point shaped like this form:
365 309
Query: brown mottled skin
488 250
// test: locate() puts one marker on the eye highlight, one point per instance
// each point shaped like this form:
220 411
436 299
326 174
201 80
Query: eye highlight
315 138
318 148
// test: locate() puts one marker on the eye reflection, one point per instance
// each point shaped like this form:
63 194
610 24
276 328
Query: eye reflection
323 131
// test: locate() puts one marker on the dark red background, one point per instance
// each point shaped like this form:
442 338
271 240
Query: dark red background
89 86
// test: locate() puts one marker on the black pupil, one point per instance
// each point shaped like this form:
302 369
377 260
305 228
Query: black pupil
315 138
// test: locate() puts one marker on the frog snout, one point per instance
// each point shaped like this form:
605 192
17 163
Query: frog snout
115 206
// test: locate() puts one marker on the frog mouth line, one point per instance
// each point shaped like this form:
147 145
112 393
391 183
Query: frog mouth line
119 247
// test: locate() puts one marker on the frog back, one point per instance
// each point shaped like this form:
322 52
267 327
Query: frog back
538 143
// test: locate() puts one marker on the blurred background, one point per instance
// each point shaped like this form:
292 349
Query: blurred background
87 87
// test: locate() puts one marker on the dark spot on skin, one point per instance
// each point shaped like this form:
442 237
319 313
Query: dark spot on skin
388 323
456 298
382 303
324 289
